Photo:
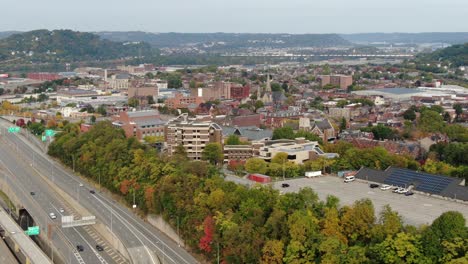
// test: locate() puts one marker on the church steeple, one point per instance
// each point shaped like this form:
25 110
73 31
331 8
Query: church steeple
267 97
268 84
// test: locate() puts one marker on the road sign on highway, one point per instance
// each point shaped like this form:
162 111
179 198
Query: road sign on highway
33 231
44 138
14 129
68 221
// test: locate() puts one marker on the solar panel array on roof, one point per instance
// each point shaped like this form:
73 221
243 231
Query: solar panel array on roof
422 181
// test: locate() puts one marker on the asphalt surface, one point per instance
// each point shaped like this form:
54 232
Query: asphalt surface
144 243
28 247
415 210
23 179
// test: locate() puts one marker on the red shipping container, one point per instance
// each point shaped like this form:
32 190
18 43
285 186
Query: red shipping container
259 178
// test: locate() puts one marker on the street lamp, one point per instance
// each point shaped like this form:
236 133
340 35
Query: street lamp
73 160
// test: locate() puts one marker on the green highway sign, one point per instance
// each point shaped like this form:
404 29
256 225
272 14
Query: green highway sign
14 129
44 138
49 133
32 231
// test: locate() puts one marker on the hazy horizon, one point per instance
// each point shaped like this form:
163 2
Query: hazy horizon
241 16
180 32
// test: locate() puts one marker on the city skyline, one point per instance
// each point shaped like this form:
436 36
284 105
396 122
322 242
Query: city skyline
295 16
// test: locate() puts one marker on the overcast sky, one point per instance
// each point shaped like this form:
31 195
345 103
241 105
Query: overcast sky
263 16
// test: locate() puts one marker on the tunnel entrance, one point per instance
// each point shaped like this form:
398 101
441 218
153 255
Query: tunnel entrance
25 220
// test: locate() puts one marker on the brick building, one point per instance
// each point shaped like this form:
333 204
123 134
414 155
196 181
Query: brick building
140 124
342 81
240 92
43 76
192 135
181 101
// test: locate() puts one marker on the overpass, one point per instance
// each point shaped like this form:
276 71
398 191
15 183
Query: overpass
25 249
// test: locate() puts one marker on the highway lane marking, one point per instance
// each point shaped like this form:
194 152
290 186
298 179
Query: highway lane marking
121 219
151 233
40 209
91 247
66 173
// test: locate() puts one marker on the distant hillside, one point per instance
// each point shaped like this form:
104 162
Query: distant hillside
5 34
66 46
415 38
228 40
456 55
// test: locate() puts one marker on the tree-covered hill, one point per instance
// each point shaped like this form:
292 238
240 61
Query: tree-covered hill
456 55
67 46
415 38
229 40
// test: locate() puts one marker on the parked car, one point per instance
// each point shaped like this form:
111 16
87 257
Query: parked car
52 216
81 185
285 185
373 185
349 179
385 187
99 248
397 190
79 248
92 191
409 193
61 210
32 193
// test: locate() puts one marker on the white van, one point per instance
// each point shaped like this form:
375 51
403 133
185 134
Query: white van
349 178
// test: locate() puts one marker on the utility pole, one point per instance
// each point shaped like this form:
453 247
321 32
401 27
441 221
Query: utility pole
178 234
73 159
283 172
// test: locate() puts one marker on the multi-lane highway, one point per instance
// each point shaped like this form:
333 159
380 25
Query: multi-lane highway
142 242
40 200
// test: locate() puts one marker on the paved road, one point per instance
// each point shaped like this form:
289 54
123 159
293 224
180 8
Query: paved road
144 243
23 179
415 210
29 248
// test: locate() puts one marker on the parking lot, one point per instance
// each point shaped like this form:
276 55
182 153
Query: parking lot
415 210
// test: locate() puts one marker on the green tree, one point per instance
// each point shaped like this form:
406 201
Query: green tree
272 252
409 115
283 133
133 102
458 110
233 140
358 220
256 165
431 121
280 158
447 226
342 103
258 104
93 119
389 225
102 110
213 153
343 124
403 248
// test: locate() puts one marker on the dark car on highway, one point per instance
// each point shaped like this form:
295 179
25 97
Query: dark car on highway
409 193
79 248
99 248
92 191
285 185
373 185
32 193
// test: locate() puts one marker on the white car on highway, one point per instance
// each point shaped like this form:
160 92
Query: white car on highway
52 216
385 187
